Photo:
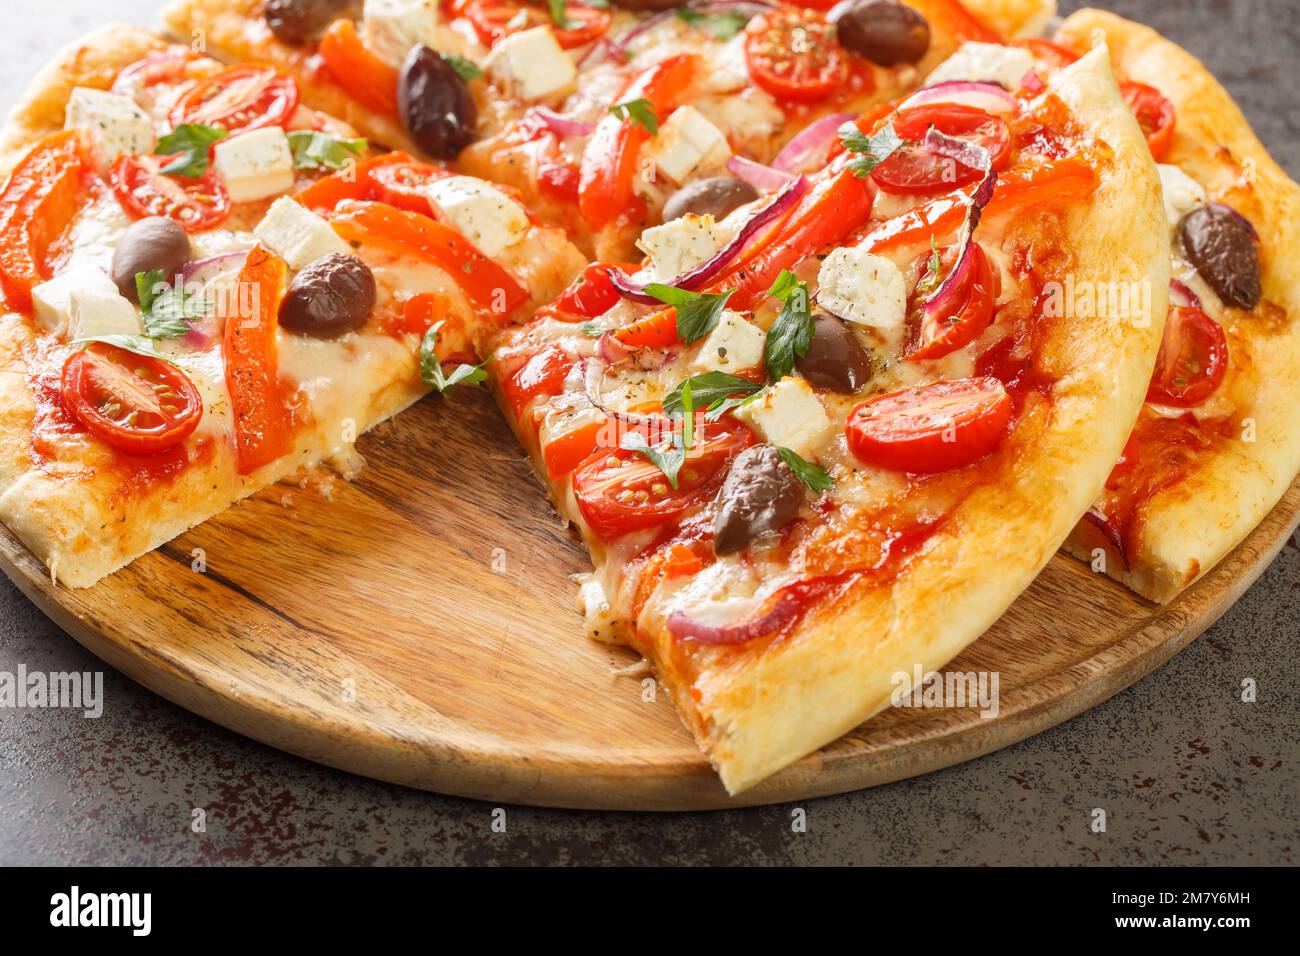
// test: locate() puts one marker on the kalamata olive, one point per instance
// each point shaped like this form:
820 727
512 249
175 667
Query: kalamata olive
333 295
835 358
716 196
299 22
435 104
153 243
884 31
760 495
1221 244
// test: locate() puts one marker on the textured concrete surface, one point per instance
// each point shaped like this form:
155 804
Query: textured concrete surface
1184 770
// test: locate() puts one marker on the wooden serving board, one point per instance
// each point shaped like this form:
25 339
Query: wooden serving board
419 626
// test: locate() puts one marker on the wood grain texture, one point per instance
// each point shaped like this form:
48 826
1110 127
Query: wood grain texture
419 626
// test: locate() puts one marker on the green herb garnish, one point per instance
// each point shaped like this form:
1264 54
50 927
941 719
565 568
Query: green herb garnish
814 476
871 150
317 151
697 312
640 112
708 390
167 310
190 143
792 332
431 369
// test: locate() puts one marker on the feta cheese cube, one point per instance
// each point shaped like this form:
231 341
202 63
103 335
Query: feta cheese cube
733 345
296 234
687 142
790 414
255 165
984 61
392 28
52 300
681 244
116 124
95 312
531 64
483 214
862 287
1182 193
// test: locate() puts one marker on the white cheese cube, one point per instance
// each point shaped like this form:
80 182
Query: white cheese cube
95 312
52 300
116 124
392 28
790 415
687 142
985 62
681 244
480 212
727 69
1182 192
296 234
862 287
255 165
531 64
733 345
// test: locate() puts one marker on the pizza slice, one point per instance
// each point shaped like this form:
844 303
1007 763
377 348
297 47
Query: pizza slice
179 330
831 436
600 115
1215 446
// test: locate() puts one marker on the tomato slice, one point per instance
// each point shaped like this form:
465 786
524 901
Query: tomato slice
403 184
263 429
970 314
238 99
494 19
165 66
591 294
542 375
354 182
364 76
609 160
197 204
136 403
915 170
931 428
1155 114
37 202
794 55
620 491
1193 359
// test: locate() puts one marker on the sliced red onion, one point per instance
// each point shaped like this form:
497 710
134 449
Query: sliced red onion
809 148
756 174
203 271
1181 296
563 125
940 302
1032 82
1250 226
753 7
784 610
593 384
989 97
611 351
596 55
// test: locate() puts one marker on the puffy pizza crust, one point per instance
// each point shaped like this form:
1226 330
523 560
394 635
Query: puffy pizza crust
1191 526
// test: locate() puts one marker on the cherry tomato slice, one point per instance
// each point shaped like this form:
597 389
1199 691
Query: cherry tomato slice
494 19
238 99
197 204
914 170
1155 114
620 491
931 428
136 403
969 315
591 294
794 55
1192 362
403 184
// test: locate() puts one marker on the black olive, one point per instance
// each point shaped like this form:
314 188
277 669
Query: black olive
835 359
435 104
716 196
1220 243
149 244
885 32
333 295
299 22
760 495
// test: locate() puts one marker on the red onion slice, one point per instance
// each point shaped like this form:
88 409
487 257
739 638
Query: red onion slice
593 385
563 125
1032 82
784 610
940 302
756 174
1181 296
989 97
203 271
809 148
753 7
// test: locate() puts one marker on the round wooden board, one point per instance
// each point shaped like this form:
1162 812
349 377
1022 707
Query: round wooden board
419 626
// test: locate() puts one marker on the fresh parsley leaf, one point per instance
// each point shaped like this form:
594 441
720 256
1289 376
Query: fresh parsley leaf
792 332
933 273
167 310
313 150
560 18
708 390
465 68
814 476
669 460
641 112
723 25
871 150
688 415
431 369
591 330
718 409
190 143
697 312
139 344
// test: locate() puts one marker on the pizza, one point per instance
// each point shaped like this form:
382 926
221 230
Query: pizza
209 287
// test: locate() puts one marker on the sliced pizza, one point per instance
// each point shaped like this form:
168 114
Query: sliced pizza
179 330
830 436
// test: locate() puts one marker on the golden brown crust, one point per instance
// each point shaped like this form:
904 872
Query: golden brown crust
1191 525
